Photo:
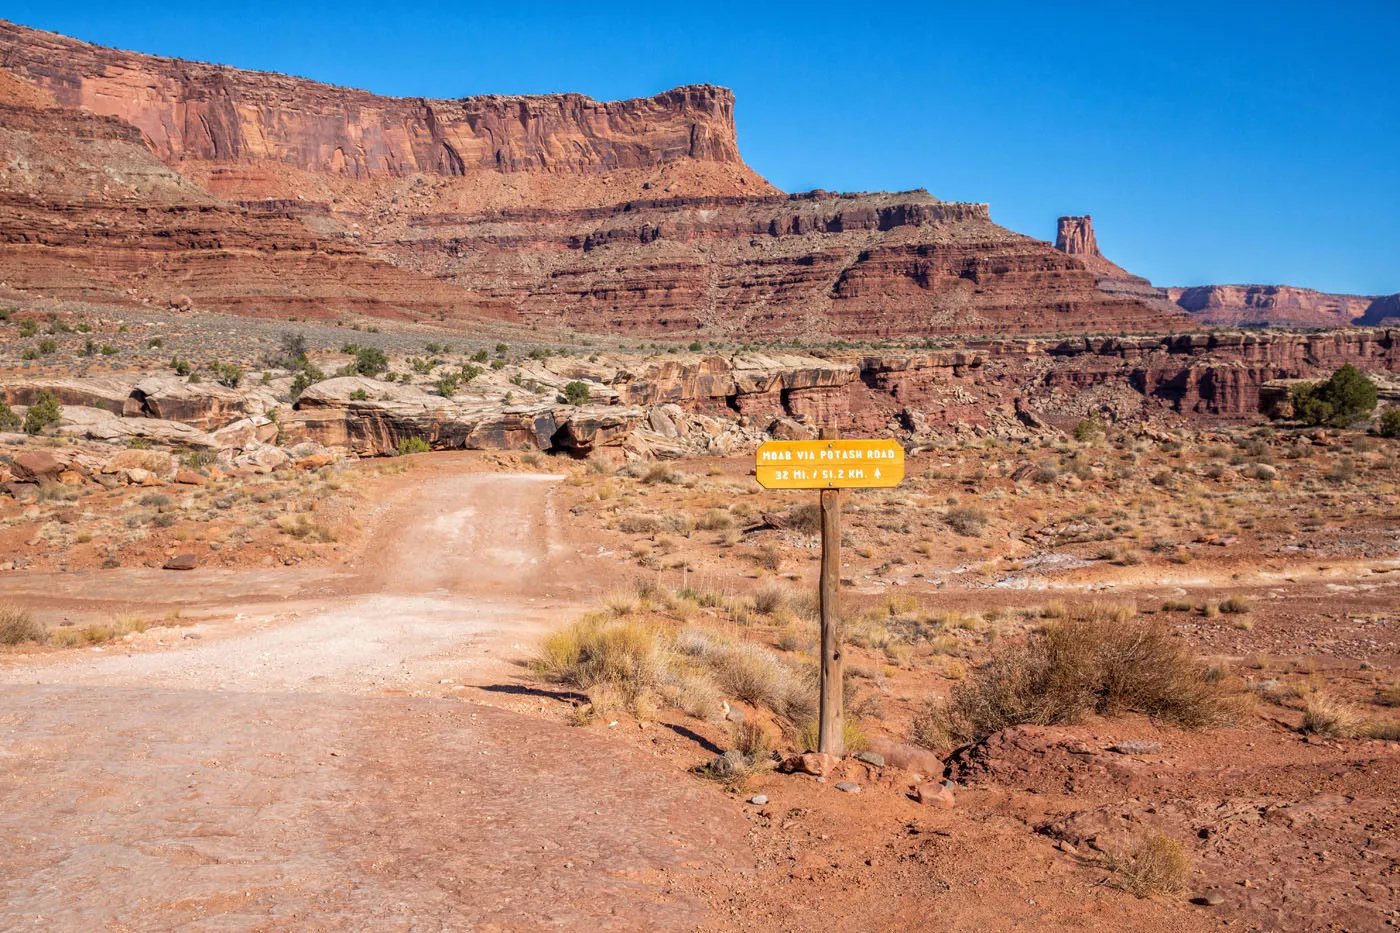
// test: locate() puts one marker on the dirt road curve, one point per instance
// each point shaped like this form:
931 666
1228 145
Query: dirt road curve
271 781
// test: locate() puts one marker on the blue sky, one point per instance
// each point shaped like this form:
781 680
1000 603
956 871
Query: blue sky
1220 142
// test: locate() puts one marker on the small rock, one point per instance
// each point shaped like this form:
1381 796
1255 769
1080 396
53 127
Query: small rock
848 787
936 795
815 763
871 758
758 800
1136 747
733 713
182 562
1066 847
1212 899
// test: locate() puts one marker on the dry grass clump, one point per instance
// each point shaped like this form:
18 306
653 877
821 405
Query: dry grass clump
98 633
597 651
966 521
610 655
1236 605
715 520
752 673
1324 714
771 598
1154 864
1099 659
302 527
18 626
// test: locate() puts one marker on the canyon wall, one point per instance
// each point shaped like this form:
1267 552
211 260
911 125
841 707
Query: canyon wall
191 111
636 216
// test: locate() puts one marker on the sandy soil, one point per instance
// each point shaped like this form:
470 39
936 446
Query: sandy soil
315 769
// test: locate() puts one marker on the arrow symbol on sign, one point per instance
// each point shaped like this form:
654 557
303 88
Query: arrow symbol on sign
877 472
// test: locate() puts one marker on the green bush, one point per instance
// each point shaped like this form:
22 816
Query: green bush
576 393
45 411
413 445
227 374
1088 429
9 421
47 345
181 366
370 361
1345 398
480 356
359 395
1390 422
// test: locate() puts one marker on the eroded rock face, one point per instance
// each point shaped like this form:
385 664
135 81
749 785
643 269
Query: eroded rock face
190 111
637 216
1075 236
1280 305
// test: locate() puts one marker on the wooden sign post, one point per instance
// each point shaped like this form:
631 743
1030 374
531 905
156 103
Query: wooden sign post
830 464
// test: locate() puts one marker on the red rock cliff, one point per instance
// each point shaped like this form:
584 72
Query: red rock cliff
1277 305
190 111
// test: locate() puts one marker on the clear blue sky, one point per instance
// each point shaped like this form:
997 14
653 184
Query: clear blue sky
1212 142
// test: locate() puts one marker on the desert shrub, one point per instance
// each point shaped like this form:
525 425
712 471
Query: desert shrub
1390 422
1088 428
1342 400
18 627
576 392
9 421
181 366
1385 730
752 673
660 473
359 395
1046 473
751 739
770 598
1343 472
227 374
853 737
1099 659
47 346
44 412
1153 864
1324 714
966 521
596 650
307 375
1236 605
370 361
413 445
304 528
715 520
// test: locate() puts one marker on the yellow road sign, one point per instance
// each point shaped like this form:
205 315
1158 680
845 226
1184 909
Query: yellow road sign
845 464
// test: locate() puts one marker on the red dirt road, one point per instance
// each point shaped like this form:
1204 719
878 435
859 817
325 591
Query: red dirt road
267 782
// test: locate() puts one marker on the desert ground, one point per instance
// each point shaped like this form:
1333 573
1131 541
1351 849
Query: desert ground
362 733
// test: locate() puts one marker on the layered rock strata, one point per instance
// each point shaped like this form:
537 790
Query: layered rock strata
635 216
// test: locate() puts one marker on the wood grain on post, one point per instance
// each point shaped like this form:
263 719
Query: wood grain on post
831 725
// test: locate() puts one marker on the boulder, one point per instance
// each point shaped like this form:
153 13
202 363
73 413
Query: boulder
181 562
814 763
935 795
191 478
906 757
37 465
263 458
786 429
156 462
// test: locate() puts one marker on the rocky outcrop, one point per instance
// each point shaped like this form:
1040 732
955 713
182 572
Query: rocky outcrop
1075 236
1279 306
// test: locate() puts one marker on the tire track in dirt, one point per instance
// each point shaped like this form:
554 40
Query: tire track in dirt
266 783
